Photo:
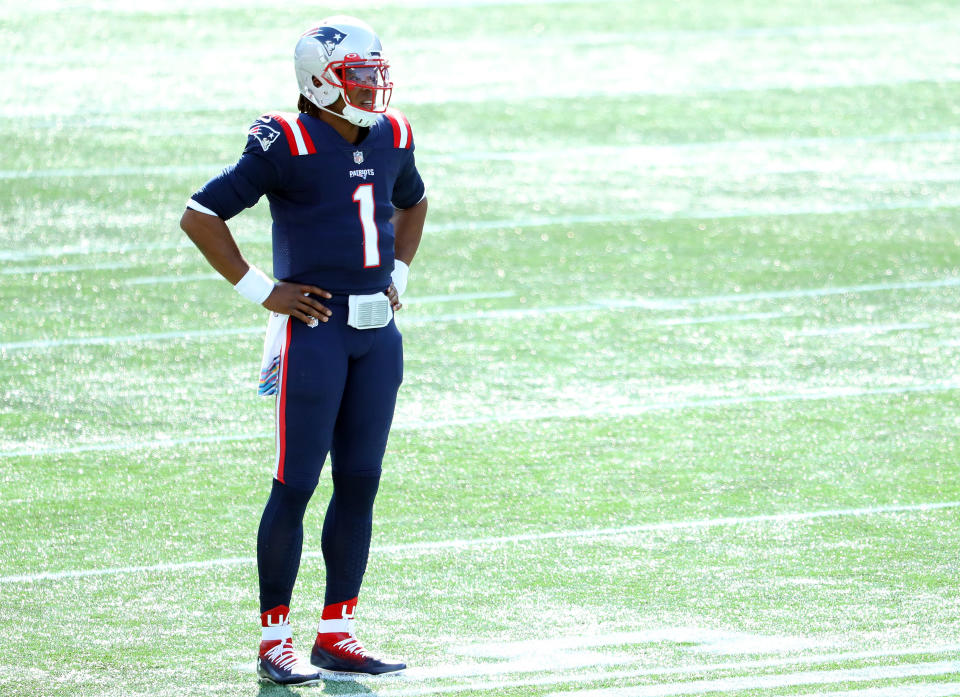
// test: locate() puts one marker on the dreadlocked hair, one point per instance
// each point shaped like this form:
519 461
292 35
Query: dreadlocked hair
307 107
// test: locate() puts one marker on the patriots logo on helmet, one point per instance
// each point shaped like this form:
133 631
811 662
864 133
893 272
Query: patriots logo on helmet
329 38
264 134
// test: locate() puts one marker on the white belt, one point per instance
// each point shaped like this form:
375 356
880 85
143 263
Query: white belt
369 311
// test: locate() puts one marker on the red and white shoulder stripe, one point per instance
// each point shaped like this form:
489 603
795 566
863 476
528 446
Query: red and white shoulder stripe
402 134
297 137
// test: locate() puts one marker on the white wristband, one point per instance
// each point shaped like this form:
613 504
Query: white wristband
255 285
399 276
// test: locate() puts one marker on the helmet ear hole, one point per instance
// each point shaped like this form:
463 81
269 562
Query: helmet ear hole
316 82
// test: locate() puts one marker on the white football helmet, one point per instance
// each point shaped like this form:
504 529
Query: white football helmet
345 56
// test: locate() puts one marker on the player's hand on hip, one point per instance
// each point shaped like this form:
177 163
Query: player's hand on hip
294 299
394 297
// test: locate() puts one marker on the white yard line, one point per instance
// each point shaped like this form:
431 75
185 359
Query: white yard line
693 687
706 640
412 300
417 299
544 662
859 329
39 7
948 282
715 319
146 337
552 665
176 6
776 209
84 172
531 312
421 548
937 689
170 278
769 682
61 268
550 676
916 690
597 412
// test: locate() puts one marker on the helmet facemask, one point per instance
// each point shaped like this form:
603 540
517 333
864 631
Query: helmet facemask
364 85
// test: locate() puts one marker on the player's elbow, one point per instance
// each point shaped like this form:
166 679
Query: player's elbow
421 211
193 223
417 211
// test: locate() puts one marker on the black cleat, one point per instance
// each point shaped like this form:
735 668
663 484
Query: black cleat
279 664
342 653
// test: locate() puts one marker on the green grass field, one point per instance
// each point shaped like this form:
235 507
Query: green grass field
680 404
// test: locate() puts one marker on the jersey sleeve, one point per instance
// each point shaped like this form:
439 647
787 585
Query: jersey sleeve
409 189
258 171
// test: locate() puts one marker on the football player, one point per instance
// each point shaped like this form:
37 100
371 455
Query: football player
348 209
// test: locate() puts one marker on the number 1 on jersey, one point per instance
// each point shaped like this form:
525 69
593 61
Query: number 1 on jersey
371 235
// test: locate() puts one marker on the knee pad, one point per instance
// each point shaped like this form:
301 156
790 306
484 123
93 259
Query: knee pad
290 498
357 492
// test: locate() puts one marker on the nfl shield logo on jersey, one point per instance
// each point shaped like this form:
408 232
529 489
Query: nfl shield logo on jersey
358 157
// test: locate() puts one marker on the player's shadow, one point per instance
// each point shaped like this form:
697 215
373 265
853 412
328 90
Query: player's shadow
327 687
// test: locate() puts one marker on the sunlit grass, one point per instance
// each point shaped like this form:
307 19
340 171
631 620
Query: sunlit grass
686 266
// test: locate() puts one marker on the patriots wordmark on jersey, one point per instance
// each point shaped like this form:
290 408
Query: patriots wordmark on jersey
331 200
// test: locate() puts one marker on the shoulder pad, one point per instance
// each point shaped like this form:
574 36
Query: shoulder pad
402 133
278 126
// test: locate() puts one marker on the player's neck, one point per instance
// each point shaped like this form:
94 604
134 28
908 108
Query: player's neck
348 131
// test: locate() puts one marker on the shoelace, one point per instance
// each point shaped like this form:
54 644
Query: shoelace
282 655
351 645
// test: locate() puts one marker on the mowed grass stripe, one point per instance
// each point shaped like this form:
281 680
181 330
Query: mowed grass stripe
663 87
605 412
654 155
419 548
777 209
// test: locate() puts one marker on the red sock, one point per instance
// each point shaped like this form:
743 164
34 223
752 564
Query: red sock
336 622
275 627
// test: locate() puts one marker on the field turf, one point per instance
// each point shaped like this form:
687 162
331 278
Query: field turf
680 404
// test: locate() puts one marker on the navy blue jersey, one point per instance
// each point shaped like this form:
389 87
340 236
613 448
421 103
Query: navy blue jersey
331 201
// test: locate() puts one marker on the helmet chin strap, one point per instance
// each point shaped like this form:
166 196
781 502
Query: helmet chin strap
359 118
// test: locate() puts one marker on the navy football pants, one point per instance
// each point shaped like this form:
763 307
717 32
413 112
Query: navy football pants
337 391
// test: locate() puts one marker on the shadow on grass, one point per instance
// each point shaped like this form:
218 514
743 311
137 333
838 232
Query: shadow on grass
327 687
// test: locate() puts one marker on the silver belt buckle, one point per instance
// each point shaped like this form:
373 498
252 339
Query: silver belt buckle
369 311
